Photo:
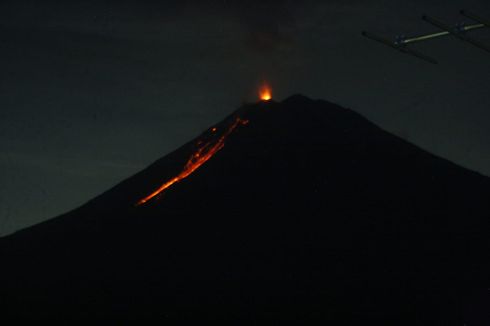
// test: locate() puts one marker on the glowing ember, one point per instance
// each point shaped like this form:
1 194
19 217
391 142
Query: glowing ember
204 153
265 92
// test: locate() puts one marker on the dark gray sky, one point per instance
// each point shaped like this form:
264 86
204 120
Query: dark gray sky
93 91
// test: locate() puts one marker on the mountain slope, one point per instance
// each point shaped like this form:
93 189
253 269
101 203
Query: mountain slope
307 212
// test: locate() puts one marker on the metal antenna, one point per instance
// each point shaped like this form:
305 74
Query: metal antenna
401 42
475 17
458 32
400 46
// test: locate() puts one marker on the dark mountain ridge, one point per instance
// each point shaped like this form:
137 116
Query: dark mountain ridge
309 212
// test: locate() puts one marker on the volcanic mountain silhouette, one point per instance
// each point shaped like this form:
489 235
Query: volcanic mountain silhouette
308 212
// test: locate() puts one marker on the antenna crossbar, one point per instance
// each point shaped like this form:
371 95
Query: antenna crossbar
459 31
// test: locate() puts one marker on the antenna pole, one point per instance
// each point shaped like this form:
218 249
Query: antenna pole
400 47
401 42
475 17
455 32
439 34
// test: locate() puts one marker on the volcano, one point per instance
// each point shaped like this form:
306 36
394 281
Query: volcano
299 210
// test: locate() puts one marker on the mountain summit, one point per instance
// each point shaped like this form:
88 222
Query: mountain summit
300 210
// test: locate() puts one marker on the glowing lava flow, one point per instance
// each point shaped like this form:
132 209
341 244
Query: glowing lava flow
197 159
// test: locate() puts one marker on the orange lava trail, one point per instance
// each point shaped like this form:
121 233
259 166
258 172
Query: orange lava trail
197 159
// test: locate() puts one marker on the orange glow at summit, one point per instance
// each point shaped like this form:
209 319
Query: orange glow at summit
265 92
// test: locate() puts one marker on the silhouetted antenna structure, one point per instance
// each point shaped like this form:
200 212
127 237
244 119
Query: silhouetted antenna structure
460 30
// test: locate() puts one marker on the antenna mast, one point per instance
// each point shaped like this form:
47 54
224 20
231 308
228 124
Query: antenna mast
401 42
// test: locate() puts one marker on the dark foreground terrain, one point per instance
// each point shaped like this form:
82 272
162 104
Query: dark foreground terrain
308 213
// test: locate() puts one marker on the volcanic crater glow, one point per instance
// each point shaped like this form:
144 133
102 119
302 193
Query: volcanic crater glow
265 92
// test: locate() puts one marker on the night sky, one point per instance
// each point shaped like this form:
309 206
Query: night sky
92 92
